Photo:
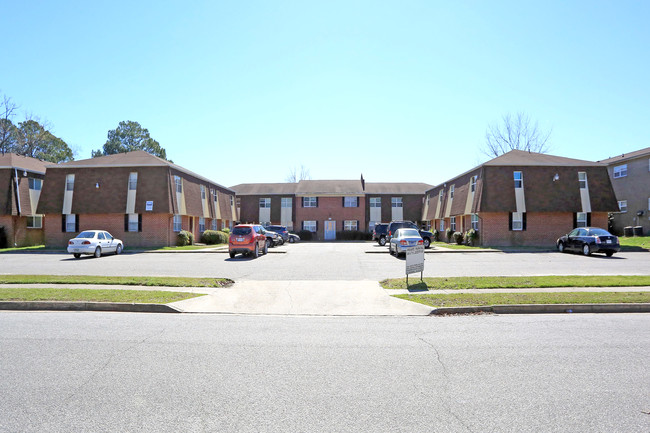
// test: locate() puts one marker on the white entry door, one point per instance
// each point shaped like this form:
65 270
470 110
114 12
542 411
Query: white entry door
330 230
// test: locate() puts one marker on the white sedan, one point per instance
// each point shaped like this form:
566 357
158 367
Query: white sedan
94 242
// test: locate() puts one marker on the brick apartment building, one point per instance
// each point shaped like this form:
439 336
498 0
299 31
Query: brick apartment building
139 198
523 198
630 176
21 181
327 206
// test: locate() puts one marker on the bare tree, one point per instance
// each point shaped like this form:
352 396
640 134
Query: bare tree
294 177
7 128
515 133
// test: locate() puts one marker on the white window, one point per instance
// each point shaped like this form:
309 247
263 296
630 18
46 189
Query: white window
224 224
620 171
215 195
214 224
350 225
519 179
451 192
350 202
442 225
309 226
232 200
442 193
35 184
201 224
517 221
35 222
581 219
179 183
70 223
622 205
133 181
310 202
375 201
582 180
452 223
133 222
69 182
286 202
202 192
265 203
396 201
472 184
475 221
177 223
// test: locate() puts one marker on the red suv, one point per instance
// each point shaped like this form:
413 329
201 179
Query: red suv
247 239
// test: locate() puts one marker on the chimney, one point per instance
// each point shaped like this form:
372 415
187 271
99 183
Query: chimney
363 183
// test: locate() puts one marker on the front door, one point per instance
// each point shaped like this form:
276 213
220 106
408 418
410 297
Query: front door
330 230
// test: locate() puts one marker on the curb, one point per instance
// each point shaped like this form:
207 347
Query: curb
545 309
87 306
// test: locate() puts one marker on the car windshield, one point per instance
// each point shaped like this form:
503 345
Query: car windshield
408 233
86 235
599 232
241 231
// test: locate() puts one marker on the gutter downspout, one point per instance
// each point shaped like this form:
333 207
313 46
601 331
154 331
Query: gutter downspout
18 198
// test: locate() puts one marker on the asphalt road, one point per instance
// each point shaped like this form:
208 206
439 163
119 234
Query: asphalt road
326 261
96 372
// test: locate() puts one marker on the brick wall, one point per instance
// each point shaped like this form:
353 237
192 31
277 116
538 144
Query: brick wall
331 208
17 232
6 221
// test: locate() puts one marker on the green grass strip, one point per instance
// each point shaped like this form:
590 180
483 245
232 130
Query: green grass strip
461 283
123 281
483 299
92 295
456 246
636 243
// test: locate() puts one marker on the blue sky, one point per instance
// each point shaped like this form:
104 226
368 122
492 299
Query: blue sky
398 91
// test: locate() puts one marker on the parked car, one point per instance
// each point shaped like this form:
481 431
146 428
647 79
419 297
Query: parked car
402 239
94 242
247 239
273 239
589 240
394 225
293 238
379 233
281 230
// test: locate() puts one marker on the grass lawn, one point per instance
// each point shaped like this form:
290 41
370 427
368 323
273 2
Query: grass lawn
35 247
635 243
91 295
455 246
459 283
125 281
189 247
483 299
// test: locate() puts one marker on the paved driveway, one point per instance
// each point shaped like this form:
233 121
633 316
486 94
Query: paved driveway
344 261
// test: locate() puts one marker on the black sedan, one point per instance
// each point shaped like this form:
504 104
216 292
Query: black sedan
589 240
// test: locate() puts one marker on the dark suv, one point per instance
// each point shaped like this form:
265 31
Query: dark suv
379 233
394 225
281 230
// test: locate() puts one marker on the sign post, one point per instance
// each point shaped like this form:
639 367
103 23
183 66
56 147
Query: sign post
414 261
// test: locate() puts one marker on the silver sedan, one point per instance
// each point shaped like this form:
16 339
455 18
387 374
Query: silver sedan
94 242
403 239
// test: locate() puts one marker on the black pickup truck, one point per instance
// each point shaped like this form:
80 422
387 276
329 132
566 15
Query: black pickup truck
394 225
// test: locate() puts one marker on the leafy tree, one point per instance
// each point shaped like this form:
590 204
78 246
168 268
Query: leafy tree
515 133
127 137
34 140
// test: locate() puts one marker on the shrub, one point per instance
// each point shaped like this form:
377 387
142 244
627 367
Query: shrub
212 237
305 235
458 238
226 231
449 233
353 235
184 238
470 236
3 237
436 235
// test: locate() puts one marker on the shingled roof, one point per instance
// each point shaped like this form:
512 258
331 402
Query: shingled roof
264 188
524 158
11 160
627 156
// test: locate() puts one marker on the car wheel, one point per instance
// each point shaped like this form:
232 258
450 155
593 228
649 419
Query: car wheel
281 241
266 248
118 250
560 247
586 250
426 242
382 241
98 252
292 240
609 253
76 255
269 244
256 252
232 255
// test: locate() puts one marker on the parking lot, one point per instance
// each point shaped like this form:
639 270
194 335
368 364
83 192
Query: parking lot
324 261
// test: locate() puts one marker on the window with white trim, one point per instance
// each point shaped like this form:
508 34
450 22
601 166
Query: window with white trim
582 180
519 179
581 219
265 203
310 226
517 221
286 202
475 221
133 181
70 223
35 222
442 225
472 184
620 171
396 202
202 192
622 206
350 201
35 184
69 182
350 225
451 192
214 224
452 223
375 201
133 222
310 202
232 200
179 183
441 194
201 224
178 223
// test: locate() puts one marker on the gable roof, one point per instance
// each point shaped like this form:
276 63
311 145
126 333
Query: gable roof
627 156
264 188
329 187
397 188
524 158
25 163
